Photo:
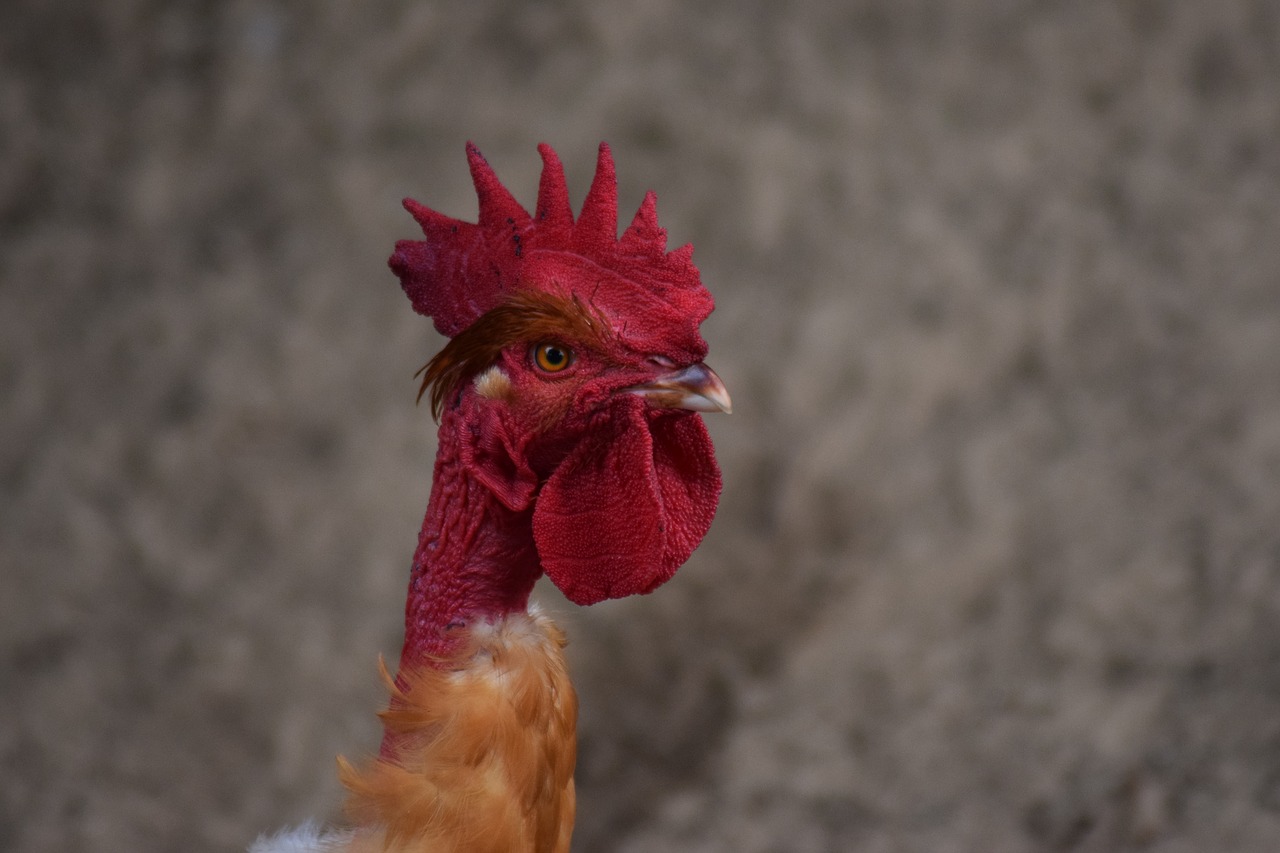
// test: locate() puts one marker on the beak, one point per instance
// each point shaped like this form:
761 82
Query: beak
696 388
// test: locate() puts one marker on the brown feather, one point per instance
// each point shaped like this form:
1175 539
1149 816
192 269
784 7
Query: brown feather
486 750
527 316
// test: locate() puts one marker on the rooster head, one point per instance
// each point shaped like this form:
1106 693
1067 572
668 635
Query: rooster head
574 374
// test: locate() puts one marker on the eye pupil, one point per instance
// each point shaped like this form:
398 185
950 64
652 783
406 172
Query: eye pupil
552 357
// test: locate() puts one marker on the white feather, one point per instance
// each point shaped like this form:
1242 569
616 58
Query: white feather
308 838
493 384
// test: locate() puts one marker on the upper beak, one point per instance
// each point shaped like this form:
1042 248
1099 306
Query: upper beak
696 388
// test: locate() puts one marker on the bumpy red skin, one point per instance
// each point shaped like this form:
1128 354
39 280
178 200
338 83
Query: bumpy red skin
474 556
610 499
621 495
566 474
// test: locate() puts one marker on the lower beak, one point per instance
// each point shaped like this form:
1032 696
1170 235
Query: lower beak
696 388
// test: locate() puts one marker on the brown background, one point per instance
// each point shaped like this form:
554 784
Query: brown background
998 563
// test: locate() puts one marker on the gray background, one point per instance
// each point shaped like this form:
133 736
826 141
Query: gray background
998 562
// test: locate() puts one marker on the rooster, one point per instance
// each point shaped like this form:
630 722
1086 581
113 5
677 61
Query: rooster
570 444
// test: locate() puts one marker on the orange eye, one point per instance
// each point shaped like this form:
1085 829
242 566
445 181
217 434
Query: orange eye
552 358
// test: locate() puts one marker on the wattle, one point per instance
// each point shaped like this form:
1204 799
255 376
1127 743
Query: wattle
628 505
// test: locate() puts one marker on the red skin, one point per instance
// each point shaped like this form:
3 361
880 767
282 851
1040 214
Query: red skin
475 558
565 472
476 555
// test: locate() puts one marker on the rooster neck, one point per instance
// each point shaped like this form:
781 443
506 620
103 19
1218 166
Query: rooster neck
479 751
475 561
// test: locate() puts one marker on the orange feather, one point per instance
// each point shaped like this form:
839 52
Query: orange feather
486 750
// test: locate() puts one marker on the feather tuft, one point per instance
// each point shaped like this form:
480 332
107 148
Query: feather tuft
307 838
476 735
525 316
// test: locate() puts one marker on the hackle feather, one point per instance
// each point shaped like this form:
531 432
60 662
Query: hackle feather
486 748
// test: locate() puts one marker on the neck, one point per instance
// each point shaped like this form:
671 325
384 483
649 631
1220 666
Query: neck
475 560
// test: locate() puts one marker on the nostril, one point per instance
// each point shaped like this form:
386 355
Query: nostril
662 361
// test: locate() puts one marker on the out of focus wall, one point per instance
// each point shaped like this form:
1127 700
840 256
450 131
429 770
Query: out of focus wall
998 562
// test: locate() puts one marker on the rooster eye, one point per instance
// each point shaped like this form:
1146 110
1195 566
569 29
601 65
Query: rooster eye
552 358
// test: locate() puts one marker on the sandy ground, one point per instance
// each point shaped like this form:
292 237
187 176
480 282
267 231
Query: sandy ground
998 563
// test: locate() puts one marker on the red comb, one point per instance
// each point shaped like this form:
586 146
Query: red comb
461 270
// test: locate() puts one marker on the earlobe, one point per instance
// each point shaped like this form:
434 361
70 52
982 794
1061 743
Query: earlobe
493 384
492 454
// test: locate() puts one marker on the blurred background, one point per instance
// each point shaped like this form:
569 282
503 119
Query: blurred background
997 566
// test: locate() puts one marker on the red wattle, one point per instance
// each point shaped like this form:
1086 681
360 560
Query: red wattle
628 505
